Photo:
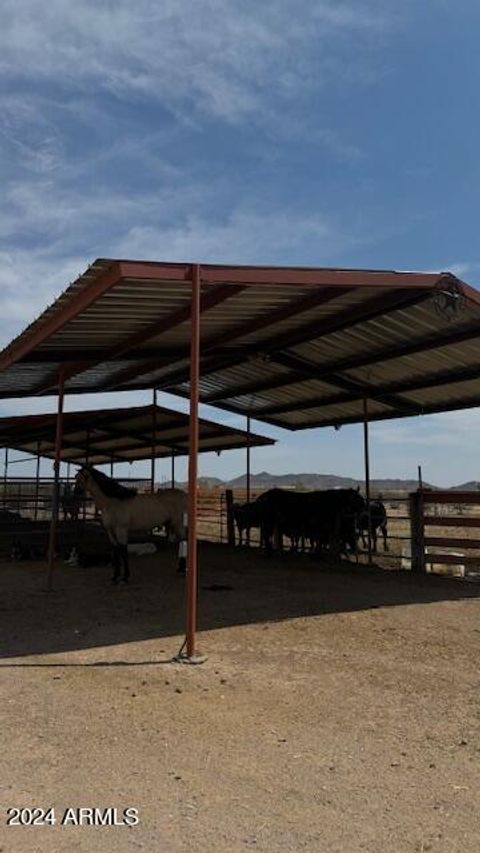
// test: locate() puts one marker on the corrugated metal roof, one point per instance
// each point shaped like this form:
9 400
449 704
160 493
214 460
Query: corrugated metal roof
119 435
294 347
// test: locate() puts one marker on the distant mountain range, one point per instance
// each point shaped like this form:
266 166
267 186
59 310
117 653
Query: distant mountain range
264 480
471 486
318 481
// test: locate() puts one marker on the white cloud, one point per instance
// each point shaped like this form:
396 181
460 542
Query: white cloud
243 236
449 429
29 281
34 138
75 212
206 56
32 278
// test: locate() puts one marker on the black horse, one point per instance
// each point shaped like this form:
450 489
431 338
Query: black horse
246 516
378 522
326 519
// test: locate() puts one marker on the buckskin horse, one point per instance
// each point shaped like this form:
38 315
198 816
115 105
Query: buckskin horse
123 509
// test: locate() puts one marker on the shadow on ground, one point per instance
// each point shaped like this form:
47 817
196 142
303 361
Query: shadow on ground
235 587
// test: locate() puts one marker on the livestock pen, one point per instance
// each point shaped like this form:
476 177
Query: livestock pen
447 510
292 347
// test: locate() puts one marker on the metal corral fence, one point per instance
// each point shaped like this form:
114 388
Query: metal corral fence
215 523
445 532
411 543
420 525
32 498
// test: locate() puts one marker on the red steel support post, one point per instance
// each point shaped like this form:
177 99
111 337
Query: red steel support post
248 459
248 472
367 475
154 441
87 462
37 483
56 482
193 463
5 478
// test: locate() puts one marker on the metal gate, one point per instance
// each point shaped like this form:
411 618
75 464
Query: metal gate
444 527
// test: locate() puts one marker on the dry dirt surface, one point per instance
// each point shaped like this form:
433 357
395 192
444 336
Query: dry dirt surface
338 709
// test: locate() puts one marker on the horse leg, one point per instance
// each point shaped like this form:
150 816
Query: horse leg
126 567
266 536
278 538
384 533
116 562
121 536
115 555
179 528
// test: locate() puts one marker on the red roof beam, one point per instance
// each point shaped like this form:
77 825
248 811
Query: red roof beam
303 276
39 331
374 307
299 306
469 331
214 296
431 409
324 277
432 380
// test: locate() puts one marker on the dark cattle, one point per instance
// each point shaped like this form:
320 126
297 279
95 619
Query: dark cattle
246 517
327 519
378 521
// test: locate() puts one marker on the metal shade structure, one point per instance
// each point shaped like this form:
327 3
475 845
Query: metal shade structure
295 348
120 435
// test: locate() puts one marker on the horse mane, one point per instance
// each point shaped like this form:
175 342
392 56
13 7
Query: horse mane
111 488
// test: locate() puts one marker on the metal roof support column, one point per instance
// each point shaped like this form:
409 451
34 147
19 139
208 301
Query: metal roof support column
248 471
154 441
367 475
173 470
37 482
52 541
5 478
87 462
193 468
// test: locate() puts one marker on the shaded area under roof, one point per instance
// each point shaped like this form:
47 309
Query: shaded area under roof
120 435
293 347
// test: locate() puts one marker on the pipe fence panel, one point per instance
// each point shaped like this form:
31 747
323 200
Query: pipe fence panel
445 525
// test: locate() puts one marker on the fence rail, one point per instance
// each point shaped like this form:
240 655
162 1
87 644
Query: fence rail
443 543
408 534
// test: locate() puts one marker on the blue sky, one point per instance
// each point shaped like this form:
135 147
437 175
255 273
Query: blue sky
316 133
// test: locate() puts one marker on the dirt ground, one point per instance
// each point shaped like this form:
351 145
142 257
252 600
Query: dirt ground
338 709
